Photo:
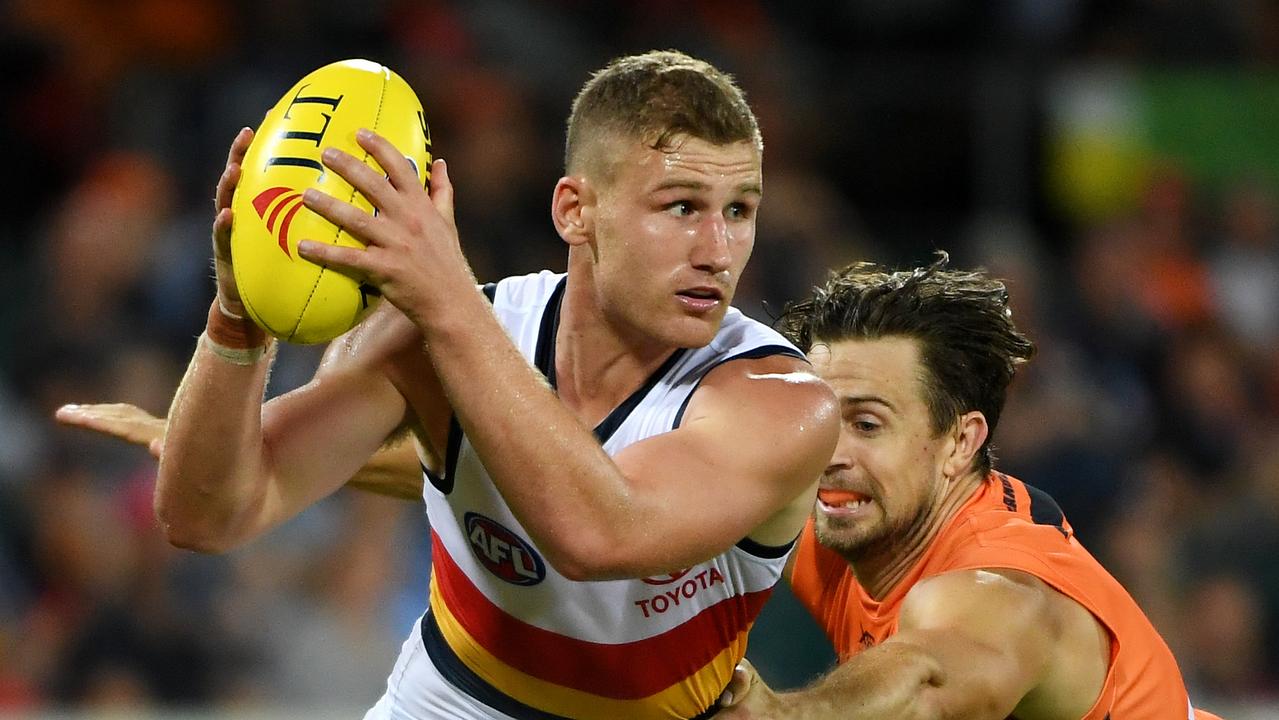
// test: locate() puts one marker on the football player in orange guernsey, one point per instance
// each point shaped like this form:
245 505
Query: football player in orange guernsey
576 427
949 589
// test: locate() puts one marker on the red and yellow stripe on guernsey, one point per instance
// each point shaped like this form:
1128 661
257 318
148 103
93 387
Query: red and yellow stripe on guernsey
676 674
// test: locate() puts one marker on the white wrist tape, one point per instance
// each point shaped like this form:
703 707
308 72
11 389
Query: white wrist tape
236 356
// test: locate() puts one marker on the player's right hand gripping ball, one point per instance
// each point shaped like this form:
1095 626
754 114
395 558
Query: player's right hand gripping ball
291 298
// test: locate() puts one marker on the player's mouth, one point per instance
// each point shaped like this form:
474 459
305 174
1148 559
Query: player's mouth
838 502
701 299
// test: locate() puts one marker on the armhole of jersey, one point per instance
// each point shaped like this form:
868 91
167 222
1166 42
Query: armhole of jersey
1028 561
1100 709
444 481
767 552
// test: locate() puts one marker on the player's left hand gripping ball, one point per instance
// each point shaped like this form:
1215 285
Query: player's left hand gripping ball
290 297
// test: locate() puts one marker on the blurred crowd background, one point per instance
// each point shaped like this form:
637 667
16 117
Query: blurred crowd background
1116 162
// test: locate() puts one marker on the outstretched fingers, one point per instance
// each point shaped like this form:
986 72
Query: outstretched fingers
372 185
126 422
399 171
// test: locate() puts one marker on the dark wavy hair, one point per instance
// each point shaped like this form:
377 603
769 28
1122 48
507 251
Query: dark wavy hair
969 346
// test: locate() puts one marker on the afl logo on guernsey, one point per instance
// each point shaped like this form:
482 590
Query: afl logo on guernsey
504 553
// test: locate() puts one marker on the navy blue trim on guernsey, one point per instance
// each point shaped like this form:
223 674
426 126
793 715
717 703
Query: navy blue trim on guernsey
444 482
544 355
610 424
463 678
1044 510
769 552
1010 497
544 360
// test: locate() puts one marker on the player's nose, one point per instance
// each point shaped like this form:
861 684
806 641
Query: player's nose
712 251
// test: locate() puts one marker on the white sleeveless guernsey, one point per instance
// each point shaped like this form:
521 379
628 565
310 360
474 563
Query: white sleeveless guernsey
507 630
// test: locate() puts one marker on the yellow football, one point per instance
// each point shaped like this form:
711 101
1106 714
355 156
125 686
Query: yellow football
291 298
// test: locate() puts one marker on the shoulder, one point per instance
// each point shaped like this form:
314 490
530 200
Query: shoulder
778 389
1011 610
1011 638
1009 524
993 602
741 335
958 593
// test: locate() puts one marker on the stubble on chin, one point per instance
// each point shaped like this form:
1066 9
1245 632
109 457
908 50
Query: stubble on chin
848 539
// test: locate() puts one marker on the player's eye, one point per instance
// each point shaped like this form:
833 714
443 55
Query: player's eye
680 208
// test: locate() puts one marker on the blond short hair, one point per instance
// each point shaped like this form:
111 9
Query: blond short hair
656 98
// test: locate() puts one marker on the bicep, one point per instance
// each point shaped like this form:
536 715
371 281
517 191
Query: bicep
317 436
750 444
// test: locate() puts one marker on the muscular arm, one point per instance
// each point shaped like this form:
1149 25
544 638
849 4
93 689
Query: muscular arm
755 437
971 644
758 436
232 468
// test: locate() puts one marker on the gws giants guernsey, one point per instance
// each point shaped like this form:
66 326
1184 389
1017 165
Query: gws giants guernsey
506 628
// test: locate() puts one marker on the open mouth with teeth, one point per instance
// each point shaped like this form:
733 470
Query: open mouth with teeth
833 499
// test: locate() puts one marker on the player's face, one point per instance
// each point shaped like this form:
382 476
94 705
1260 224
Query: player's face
886 474
673 232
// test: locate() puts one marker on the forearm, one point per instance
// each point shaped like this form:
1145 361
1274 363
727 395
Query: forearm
890 681
210 481
550 469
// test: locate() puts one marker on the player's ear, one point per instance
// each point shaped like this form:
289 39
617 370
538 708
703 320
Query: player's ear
573 209
969 434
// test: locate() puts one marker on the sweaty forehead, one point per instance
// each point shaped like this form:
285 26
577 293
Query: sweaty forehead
702 156
885 367
693 162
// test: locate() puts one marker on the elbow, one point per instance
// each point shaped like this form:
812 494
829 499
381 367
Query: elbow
195 542
585 569
191 534
575 572
584 560
609 560
579 566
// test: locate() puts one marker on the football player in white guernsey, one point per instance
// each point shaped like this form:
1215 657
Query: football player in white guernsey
580 431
